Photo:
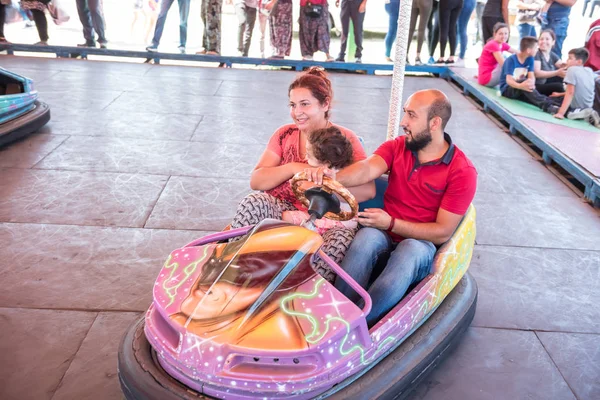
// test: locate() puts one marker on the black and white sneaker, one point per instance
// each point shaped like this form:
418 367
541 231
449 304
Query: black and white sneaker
580 113
594 119
588 114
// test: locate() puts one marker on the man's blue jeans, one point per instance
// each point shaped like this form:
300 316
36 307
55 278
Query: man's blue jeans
91 16
393 9
559 26
463 21
184 12
408 262
526 29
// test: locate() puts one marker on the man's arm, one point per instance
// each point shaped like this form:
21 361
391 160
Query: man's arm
436 232
363 171
569 93
357 174
357 178
505 10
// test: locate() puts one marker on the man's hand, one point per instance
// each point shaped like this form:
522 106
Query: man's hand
559 116
363 7
316 174
556 94
375 218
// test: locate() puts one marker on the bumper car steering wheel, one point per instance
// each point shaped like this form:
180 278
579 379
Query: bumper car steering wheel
323 200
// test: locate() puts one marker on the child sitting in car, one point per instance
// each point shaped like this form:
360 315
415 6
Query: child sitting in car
328 148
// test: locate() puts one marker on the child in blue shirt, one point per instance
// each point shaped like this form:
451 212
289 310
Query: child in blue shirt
517 80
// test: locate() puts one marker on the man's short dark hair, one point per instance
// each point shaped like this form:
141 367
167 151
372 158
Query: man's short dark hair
580 53
331 147
528 42
440 107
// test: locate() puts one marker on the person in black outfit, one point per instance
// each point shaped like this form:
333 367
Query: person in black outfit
433 30
37 8
449 11
2 20
493 12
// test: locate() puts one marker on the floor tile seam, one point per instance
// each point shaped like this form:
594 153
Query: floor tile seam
479 244
72 358
128 137
556 366
156 202
78 310
132 173
146 139
218 87
86 171
499 328
160 140
52 151
39 82
191 138
106 227
113 100
570 194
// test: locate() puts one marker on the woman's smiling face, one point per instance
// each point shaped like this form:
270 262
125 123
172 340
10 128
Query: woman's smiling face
306 111
545 42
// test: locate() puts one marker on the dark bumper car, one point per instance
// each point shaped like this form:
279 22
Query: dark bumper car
20 111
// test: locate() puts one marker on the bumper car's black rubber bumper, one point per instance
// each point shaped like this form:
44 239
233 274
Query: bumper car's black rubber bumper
393 377
25 124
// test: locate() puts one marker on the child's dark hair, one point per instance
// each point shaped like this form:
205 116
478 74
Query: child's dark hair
330 147
528 42
580 53
498 26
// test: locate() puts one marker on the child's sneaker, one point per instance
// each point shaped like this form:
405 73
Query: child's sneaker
594 119
580 113
588 114
542 18
552 109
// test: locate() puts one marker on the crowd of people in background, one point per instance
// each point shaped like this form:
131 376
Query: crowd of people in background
434 22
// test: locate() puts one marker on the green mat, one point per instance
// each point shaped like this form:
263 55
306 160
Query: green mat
521 108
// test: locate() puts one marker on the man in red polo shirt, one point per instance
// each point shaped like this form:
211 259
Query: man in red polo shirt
431 185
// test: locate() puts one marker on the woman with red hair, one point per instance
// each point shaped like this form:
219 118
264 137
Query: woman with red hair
310 98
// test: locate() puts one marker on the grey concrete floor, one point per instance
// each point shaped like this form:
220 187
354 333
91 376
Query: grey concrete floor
139 159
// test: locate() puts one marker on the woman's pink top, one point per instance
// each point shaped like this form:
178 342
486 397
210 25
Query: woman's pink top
487 61
285 142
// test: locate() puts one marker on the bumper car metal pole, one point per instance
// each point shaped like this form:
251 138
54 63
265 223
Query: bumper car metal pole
399 68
